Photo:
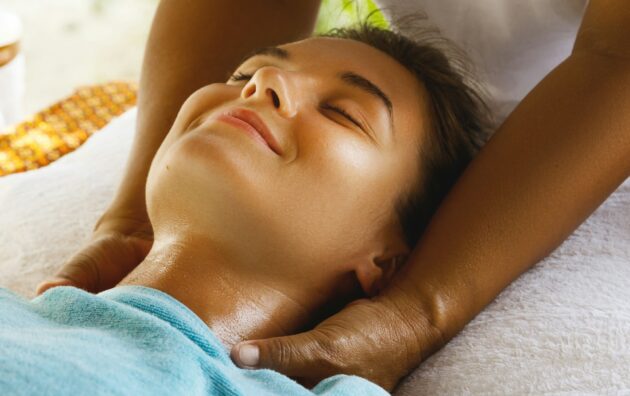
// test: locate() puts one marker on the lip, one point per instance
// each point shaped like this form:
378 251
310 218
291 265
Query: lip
251 122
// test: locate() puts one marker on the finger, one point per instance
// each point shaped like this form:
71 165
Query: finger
48 284
305 355
80 271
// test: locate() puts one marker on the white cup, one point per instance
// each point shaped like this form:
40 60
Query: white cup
11 69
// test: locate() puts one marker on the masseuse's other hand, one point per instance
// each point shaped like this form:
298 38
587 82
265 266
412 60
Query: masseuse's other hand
380 339
119 242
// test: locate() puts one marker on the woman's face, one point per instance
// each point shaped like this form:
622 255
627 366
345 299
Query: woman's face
320 200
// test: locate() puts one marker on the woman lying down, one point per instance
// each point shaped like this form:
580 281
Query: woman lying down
277 197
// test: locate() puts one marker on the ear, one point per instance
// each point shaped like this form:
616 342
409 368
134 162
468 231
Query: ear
374 275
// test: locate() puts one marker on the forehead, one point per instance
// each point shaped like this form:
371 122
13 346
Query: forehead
330 56
335 54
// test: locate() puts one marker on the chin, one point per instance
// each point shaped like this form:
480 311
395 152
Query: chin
206 189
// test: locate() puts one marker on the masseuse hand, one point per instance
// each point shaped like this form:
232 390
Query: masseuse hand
119 242
381 339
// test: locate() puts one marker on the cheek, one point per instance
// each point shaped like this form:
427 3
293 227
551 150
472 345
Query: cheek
352 169
339 185
195 108
201 103
353 164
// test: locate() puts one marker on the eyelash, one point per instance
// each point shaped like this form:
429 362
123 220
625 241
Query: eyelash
342 112
238 76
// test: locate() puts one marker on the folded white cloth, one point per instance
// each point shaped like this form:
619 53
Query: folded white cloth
561 328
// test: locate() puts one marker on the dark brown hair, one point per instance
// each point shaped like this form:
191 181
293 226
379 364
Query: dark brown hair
460 118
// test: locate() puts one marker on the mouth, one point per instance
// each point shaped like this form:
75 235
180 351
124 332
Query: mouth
252 123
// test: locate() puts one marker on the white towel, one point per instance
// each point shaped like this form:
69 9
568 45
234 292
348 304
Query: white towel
563 327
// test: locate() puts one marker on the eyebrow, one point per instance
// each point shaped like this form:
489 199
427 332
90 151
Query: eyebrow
348 77
275 52
368 86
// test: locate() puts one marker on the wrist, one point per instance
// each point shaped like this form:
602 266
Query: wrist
420 317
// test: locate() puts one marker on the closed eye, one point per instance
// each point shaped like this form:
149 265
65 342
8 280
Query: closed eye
327 106
238 76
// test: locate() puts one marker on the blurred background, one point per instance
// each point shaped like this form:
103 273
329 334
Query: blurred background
69 43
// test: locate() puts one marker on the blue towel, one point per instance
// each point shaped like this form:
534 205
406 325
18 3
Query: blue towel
130 340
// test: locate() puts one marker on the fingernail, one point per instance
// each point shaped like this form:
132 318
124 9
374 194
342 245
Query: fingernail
248 354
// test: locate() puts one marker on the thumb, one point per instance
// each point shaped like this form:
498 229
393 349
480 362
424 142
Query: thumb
80 271
302 355
57 281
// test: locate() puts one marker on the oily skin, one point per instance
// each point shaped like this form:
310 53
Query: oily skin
256 243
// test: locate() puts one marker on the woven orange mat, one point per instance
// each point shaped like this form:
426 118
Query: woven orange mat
64 126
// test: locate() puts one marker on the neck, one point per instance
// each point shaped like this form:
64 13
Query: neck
235 306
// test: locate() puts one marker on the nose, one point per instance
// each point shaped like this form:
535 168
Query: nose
270 85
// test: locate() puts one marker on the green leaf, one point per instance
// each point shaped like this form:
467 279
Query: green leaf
340 13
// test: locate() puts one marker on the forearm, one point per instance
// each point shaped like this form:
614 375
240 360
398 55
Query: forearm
192 44
551 164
